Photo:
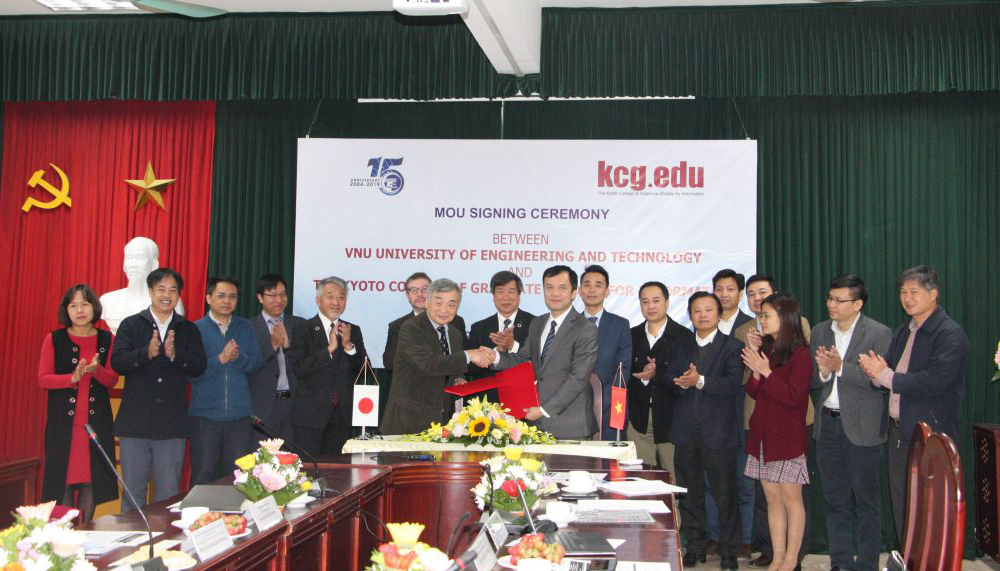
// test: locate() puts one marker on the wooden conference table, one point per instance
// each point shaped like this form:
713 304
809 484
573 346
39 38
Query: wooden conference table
331 533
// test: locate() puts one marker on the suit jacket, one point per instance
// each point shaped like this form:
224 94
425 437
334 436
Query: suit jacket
779 419
742 318
863 406
931 390
264 383
717 404
392 338
479 336
748 401
642 396
564 380
419 376
322 375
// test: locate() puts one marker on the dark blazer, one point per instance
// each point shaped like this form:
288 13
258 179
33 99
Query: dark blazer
154 400
564 380
614 346
479 336
717 403
779 418
741 318
420 374
863 406
642 396
932 388
322 375
264 383
59 423
392 338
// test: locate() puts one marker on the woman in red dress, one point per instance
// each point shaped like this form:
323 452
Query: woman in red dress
75 370
777 442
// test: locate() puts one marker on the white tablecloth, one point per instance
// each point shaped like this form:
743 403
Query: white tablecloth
395 443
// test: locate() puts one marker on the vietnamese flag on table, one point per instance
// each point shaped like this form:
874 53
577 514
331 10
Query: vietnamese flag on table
67 213
617 419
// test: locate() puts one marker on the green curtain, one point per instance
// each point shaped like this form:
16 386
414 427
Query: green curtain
243 56
871 48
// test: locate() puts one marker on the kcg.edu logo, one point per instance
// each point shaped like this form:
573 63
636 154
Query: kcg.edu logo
388 179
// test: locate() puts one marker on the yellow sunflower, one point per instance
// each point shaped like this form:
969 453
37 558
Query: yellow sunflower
479 426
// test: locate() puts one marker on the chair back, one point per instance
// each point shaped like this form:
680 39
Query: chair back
913 527
940 509
598 389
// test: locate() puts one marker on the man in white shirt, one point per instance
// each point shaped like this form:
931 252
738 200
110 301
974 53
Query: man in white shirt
727 285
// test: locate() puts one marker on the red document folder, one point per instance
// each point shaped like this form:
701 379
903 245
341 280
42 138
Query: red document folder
515 387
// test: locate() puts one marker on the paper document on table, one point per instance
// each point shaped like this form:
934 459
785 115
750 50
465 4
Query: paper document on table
563 477
642 488
100 542
652 506
642 566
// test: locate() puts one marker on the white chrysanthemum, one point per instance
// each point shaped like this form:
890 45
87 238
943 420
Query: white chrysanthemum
41 512
65 542
82 564
43 563
272 445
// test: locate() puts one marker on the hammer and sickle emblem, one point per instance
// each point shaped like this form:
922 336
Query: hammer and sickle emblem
59 195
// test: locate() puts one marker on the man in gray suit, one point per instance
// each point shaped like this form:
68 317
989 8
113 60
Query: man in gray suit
429 358
851 426
273 385
562 348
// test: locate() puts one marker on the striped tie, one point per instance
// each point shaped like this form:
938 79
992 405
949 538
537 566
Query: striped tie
548 342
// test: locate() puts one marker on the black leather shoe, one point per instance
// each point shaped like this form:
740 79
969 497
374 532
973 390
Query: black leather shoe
761 562
729 562
691 559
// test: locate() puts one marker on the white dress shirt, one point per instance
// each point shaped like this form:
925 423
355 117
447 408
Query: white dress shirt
842 340
500 327
726 326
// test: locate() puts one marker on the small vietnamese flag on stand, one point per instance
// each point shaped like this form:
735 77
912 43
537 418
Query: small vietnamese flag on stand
617 419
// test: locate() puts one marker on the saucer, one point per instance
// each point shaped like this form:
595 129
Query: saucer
587 490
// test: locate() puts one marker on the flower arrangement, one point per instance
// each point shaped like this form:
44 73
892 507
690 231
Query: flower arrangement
35 543
996 363
406 553
271 472
484 423
506 475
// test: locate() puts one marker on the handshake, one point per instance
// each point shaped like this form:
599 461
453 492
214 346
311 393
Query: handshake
481 357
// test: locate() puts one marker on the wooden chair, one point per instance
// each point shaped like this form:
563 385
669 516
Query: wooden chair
936 500
913 527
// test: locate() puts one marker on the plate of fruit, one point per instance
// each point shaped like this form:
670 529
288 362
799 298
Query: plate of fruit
236 524
533 546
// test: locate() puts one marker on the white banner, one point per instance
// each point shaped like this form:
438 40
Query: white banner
373 211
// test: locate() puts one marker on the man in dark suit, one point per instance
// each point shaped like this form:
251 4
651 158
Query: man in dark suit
924 371
728 287
273 385
614 341
429 358
562 348
850 429
706 376
505 330
326 355
416 294
650 406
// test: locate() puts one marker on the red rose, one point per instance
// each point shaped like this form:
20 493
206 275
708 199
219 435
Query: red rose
393 559
285 459
445 433
509 488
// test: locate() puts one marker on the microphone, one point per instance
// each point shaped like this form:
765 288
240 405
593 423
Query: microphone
468 558
319 484
545 526
489 476
454 532
152 563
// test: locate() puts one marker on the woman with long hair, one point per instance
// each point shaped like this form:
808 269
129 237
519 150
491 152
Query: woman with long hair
75 370
777 442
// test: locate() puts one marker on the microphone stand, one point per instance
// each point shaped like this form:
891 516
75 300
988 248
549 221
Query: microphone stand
489 477
151 563
319 484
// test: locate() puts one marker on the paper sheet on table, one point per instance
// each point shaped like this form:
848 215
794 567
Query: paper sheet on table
563 477
100 542
642 488
652 506
642 566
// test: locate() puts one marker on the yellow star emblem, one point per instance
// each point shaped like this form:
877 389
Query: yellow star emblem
150 187
618 407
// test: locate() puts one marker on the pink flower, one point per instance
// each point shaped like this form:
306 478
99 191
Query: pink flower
515 434
271 479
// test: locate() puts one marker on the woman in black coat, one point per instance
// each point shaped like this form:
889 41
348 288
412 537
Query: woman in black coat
74 369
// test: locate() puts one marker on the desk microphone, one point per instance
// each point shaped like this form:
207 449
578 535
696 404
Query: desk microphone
152 563
468 558
319 484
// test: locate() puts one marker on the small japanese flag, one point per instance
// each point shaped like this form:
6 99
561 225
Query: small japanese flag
365 405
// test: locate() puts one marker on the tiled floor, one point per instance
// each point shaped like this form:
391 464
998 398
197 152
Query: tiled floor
822 563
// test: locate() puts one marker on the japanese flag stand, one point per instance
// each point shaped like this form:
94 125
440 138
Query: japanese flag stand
363 377
619 379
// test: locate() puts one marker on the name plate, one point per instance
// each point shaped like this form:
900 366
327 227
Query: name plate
265 513
211 540
497 530
486 557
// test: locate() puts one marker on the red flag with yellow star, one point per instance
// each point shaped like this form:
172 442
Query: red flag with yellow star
617 419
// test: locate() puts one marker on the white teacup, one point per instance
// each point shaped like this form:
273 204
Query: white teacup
189 515
580 480
534 565
559 511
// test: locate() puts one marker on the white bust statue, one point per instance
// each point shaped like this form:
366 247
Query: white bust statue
141 257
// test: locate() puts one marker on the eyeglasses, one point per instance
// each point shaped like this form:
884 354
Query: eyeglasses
831 298
279 295
223 295
416 290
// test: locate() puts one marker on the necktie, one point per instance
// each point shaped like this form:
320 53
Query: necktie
593 320
444 340
548 342
506 324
